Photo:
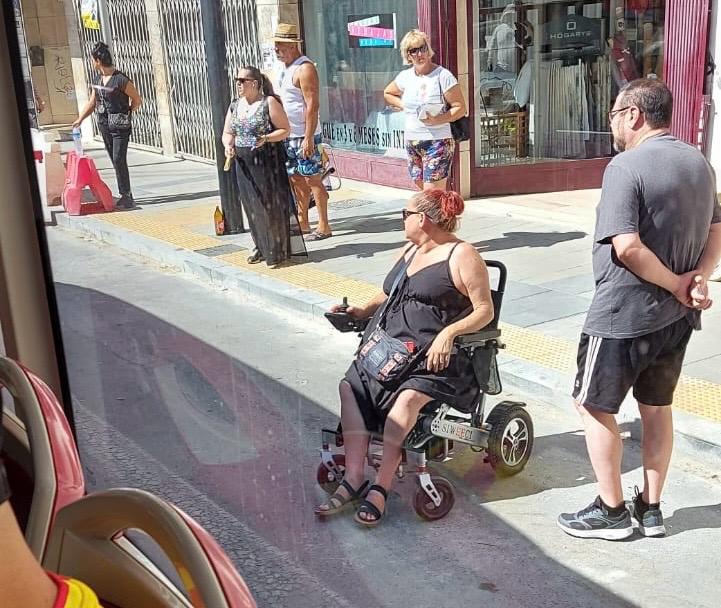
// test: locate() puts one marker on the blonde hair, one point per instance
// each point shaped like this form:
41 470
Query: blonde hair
414 39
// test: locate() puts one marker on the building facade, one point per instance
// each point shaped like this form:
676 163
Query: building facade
539 77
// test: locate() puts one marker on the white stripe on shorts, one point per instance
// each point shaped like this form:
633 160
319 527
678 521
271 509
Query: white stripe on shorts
594 345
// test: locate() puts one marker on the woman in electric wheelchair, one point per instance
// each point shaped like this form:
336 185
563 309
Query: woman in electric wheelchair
437 290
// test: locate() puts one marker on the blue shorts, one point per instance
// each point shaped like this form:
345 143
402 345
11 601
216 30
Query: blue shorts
307 167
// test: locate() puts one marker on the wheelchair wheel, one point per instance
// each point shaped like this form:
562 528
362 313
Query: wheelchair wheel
511 438
327 479
425 507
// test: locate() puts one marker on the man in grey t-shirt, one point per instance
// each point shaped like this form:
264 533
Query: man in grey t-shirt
657 241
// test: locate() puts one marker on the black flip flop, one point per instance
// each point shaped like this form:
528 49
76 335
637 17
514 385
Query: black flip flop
256 258
318 236
339 503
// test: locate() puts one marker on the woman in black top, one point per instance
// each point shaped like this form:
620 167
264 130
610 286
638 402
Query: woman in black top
443 292
114 98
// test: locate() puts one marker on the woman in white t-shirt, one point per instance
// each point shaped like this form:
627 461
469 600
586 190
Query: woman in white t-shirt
431 99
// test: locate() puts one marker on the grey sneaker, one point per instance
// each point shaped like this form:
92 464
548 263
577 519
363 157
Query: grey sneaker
595 522
650 521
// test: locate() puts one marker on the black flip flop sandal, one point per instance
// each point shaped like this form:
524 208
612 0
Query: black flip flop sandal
318 236
256 258
339 503
369 508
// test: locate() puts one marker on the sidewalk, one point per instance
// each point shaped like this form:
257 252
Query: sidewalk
543 239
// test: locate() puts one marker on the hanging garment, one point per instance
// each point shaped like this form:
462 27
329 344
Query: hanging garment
623 58
523 85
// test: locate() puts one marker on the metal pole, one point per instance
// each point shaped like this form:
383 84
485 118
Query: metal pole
214 37
105 27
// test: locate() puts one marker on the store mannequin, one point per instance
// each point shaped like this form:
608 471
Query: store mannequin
502 47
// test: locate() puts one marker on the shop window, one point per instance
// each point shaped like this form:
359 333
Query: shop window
548 71
355 67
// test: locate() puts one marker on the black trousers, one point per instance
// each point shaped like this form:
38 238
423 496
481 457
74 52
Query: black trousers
116 144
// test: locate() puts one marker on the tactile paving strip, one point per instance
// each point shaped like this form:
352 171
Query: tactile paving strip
149 224
693 395
301 275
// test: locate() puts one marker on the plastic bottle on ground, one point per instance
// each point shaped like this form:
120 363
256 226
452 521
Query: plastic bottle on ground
77 141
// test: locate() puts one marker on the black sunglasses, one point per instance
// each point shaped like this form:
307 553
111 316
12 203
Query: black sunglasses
244 80
406 213
419 49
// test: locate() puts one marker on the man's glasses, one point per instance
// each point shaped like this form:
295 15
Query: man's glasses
419 49
406 213
612 113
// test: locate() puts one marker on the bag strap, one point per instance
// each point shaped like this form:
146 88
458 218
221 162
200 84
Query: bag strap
394 288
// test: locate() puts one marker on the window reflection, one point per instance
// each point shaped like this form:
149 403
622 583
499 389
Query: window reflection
354 72
546 73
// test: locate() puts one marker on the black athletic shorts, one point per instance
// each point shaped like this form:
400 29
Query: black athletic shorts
651 364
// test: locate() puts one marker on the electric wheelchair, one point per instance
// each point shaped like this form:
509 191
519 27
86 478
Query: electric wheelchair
505 434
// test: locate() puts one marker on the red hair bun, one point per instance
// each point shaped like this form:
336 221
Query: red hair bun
451 204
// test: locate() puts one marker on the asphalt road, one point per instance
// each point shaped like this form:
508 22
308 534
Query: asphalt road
216 404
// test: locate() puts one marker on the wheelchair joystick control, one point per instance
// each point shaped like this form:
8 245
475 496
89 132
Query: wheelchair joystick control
344 306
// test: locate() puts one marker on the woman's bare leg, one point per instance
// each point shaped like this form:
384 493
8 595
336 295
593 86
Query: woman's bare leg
400 421
355 441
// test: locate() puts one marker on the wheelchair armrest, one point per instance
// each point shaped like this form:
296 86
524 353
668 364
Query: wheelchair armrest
479 338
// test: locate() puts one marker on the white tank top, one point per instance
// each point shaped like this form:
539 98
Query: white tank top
293 101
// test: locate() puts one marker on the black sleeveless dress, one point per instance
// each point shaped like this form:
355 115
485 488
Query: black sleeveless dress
424 304
264 188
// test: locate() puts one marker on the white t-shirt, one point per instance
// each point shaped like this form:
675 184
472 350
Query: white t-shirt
419 90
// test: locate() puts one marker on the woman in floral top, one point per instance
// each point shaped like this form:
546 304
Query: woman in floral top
255 128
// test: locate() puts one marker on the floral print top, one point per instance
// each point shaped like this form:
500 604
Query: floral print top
249 128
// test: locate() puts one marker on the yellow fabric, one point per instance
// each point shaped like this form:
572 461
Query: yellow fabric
80 595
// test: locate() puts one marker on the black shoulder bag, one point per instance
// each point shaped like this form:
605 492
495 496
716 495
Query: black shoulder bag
461 128
382 357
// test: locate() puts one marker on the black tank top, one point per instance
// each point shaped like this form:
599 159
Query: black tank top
110 98
425 302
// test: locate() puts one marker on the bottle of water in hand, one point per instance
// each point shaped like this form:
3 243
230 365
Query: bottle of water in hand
77 141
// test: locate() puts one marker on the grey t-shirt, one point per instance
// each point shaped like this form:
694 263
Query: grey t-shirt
666 191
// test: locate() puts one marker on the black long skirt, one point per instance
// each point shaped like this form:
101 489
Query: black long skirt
268 201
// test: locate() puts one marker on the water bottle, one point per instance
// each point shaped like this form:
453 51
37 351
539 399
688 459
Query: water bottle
77 141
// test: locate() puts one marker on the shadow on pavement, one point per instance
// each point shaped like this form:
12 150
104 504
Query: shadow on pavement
175 198
517 240
557 461
370 224
705 517
356 250
155 404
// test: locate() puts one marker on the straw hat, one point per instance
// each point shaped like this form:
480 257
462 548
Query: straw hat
286 32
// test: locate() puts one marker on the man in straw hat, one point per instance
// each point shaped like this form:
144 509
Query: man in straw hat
299 90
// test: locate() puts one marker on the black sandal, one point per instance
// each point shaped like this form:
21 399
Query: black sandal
338 503
368 507
256 258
